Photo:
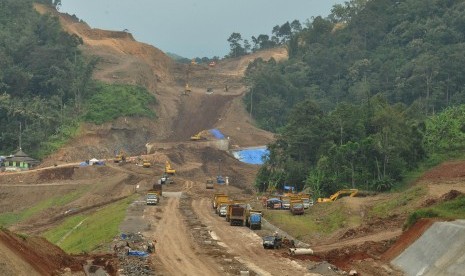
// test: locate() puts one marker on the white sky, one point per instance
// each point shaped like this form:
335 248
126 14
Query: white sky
194 28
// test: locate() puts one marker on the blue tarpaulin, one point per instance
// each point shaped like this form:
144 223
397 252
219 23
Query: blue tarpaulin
215 132
252 156
137 253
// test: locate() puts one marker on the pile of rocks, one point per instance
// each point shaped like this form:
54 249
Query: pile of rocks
133 258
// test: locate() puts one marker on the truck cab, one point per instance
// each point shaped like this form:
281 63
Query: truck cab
151 199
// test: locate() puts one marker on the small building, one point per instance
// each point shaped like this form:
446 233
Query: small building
19 161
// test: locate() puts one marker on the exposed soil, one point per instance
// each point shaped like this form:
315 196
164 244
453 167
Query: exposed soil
192 239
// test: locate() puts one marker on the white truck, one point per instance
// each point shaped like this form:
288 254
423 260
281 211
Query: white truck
151 198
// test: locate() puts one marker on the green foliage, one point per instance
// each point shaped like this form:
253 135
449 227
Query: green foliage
323 221
94 229
445 132
43 77
112 101
375 70
452 209
399 203
415 216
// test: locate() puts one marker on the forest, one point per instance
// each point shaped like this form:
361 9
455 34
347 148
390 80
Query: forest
46 86
369 93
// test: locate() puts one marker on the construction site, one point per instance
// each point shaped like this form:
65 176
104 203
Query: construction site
192 206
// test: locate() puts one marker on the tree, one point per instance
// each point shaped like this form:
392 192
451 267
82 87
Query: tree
235 43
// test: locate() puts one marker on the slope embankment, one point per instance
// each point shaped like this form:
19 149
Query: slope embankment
439 251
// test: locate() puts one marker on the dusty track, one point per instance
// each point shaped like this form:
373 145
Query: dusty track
243 242
176 250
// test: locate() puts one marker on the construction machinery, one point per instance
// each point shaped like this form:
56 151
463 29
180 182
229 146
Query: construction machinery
187 89
168 169
151 198
236 214
339 194
218 199
146 163
209 184
253 219
153 195
120 157
199 136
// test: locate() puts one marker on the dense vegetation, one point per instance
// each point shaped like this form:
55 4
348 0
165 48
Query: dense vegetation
367 94
46 85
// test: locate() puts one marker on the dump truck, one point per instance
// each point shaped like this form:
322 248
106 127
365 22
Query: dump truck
297 207
168 169
154 194
209 184
339 194
253 219
218 199
236 213
158 189
152 198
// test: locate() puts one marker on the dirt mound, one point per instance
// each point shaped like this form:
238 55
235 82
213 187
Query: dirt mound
445 171
44 257
374 225
450 195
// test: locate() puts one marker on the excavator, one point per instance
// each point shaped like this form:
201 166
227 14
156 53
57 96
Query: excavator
168 169
199 136
338 194
120 157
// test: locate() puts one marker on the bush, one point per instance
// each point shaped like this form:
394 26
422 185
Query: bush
112 101
415 216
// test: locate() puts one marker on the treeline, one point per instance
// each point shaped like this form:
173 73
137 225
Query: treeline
45 82
281 34
355 105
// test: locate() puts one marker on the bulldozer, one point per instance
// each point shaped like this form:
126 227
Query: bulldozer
339 194
168 169
146 163
199 136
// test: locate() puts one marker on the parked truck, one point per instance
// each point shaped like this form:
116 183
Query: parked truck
158 189
236 214
218 199
254 219
153 195
151 198
209 184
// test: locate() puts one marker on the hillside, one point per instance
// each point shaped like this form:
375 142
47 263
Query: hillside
70 203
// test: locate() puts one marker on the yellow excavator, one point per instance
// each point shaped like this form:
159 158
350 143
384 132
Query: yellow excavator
120 157
168 169
339 194
199 136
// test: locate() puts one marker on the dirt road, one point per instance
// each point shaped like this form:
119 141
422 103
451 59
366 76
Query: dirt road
175 249
243 242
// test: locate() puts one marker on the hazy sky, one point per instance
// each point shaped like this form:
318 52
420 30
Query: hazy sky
194 28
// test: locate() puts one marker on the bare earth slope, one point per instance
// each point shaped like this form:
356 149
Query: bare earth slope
189 234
